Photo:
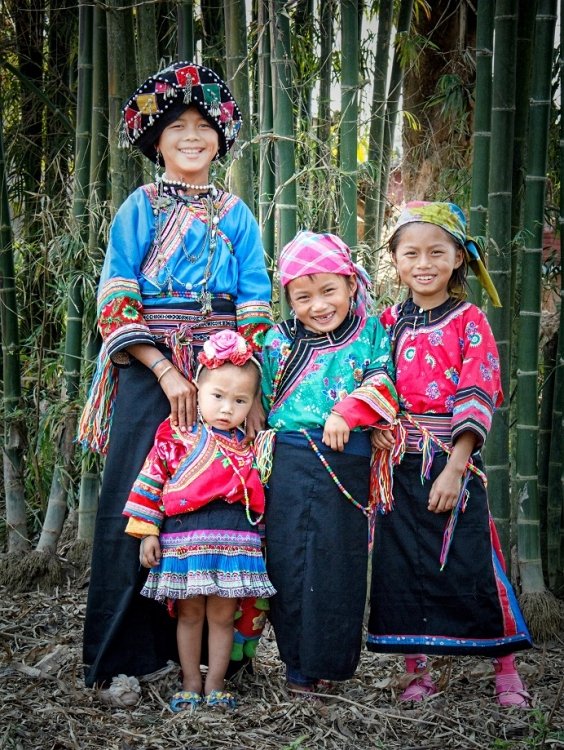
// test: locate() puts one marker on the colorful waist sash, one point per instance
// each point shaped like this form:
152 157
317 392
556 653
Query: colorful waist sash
438 425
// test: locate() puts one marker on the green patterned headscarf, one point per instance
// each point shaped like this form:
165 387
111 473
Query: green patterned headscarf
450 217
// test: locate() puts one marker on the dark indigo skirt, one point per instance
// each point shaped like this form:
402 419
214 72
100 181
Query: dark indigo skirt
467 608
125 632
316 558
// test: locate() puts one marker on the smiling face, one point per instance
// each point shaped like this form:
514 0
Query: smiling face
426 257
321 301
188 146
226 394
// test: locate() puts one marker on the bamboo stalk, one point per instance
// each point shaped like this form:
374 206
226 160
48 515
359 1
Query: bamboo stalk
267 173
543 615
90 464
377 119
482 131
286 193
499 214
126 170
348 136
213 42
549 516
392 106
525 29
238 78
13 453
325 215
57 503
185 42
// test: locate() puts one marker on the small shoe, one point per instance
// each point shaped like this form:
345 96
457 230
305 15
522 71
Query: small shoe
420 688
511 692
185 700
220 698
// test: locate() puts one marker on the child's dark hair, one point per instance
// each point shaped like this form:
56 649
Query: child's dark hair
457 285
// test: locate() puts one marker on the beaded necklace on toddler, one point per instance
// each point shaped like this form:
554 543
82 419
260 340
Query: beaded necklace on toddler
242 480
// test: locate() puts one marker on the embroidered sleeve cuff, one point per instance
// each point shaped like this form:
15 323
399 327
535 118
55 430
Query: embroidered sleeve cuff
139 529
470 426
120 341
356 413
253 321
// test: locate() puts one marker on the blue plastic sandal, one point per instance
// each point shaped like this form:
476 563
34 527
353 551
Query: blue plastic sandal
185 700
220 698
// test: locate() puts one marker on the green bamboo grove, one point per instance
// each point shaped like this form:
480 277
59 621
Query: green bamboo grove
350 107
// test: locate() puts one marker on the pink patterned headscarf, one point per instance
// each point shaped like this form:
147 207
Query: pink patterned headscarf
310 253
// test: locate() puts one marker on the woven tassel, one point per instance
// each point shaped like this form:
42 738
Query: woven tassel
96 419
428 454
179 341
460 507
264 452
381 472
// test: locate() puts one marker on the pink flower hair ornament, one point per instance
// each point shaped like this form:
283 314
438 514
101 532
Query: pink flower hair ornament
225 346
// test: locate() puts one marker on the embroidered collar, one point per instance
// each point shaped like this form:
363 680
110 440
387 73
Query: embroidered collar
304 345
409 309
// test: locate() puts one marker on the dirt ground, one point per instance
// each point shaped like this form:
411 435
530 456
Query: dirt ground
44 705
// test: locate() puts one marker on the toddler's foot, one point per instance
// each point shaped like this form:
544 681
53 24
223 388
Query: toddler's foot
221 699
422 687
185 700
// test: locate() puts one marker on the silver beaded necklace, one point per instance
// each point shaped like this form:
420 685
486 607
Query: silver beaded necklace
210 239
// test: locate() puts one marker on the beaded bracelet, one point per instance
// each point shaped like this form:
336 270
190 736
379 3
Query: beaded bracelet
152 367
336 413
164 372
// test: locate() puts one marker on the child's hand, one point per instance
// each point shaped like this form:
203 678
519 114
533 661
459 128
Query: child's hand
445 490
150 551
336 432
446 487
382 439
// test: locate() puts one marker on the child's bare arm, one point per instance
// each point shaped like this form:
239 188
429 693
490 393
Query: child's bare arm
446 487
150 551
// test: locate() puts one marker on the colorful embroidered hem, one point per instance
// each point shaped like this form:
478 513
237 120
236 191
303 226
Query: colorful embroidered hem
208 561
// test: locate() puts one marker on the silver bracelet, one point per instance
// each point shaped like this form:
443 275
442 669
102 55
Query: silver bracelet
152 367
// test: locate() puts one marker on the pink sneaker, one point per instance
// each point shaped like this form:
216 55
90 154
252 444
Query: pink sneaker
421 688
511 691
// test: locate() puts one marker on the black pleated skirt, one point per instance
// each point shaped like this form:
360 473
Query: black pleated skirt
317 549
125 632
469 607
